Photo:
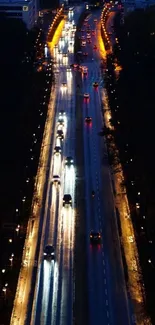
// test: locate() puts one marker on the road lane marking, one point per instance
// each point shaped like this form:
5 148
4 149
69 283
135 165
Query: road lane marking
106 302
105 282
106 291
107 314
103 262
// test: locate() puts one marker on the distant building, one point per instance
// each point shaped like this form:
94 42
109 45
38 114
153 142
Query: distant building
19 9
130 5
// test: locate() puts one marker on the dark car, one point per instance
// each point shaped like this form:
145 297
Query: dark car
69 161
49 251
67 200
95 237
62 113
60 134
88 119
57 150
95 84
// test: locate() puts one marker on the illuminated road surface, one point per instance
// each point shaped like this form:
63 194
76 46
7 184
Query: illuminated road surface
108 300
53 296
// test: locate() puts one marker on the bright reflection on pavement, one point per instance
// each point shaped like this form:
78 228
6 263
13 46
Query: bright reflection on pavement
70 180
57 165
47 270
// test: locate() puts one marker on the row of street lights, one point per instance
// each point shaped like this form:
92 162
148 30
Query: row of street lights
113 91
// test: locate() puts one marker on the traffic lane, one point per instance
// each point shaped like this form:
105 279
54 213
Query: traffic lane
109 296
43 230
51 225
117 282
96 292
101 275
124 319
67 266
41 297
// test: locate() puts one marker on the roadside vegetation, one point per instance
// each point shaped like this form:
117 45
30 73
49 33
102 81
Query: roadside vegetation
25 91
132 101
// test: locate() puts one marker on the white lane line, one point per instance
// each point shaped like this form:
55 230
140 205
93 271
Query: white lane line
103 262
107 302
99 216
107 314
105 282
104 271
102 253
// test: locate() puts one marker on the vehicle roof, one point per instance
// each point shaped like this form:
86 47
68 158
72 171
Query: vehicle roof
67 196
93 232
49 247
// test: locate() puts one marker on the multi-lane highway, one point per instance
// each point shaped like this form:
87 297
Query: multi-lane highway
52 298
108 300
53 294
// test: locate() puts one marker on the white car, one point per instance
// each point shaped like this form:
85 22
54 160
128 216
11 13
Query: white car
61 121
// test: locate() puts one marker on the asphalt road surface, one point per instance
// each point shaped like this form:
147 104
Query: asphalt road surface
52 300
53 294
108 300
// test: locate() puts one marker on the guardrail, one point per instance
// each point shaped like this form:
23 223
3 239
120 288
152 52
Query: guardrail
104 16
58 17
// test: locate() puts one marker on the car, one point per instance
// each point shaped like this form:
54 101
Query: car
89 41
88 37
67 200
85 54
57 150
74 65
83 37
56 179
95 237
88 119
64 84
95 20
60 134
61 121
95 84
85 70
82 30
65 55
86 95
62 113
95 47
69 161
93 32
49 251
83 43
